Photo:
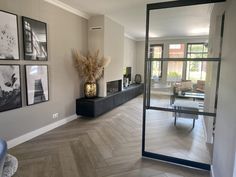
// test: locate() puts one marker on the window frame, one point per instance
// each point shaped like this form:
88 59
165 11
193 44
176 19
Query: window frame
187 54
162 55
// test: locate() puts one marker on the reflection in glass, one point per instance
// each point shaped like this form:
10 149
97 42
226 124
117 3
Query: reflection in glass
180 140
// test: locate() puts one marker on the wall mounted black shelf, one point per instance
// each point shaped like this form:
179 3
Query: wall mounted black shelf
93 107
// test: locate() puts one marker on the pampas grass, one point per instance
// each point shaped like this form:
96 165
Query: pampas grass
91 67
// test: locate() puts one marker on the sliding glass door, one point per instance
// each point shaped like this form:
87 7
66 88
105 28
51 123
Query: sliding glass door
175 111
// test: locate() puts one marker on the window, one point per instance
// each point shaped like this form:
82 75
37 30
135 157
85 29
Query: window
156 51
196 70
175 68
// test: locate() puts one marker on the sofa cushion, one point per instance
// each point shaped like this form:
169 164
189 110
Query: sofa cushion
3 152
200 86
183 86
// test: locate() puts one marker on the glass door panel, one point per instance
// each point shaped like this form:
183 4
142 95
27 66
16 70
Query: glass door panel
181 91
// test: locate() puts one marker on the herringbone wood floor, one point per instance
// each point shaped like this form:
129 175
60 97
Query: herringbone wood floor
108 146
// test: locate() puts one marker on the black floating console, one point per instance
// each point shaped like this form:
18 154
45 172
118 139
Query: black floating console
93 107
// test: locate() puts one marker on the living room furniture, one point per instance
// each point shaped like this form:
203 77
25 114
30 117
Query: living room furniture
192 95
100 105
200 86
186 105
3 153
188 85
8 163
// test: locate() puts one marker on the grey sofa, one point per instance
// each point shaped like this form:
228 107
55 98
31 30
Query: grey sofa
3 153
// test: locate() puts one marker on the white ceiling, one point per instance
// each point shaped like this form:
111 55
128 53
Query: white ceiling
174 22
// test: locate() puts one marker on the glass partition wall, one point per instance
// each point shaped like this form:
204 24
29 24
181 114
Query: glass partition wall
180 94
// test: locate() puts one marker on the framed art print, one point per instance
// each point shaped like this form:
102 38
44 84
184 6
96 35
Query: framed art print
9 42
10 87
36 84
34 39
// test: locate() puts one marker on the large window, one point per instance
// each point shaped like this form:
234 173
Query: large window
196 70
156 51
175 68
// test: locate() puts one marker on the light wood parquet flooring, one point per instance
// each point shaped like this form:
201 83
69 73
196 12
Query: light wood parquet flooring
107 146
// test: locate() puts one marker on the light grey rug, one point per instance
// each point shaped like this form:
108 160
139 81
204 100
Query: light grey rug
10 166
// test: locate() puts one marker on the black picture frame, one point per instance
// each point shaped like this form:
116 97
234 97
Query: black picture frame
34 39
37 84
9 36
10 87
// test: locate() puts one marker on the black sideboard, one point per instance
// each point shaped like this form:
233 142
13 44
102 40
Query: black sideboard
97 106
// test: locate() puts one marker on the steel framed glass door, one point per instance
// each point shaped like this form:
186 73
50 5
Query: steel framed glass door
173 120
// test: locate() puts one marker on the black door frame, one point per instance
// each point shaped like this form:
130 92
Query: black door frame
147 73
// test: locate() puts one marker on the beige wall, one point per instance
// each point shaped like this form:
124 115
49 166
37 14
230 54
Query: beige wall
225 135
65 31
130 55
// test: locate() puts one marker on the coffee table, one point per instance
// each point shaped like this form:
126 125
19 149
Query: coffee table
186 105
193 95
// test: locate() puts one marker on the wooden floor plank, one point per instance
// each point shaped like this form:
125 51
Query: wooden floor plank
110 146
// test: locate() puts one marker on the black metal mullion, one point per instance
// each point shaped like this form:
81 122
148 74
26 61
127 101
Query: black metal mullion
184 59
145 81
181 111
180 3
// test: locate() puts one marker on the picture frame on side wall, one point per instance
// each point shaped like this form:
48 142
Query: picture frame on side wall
37 84
9 38
10 87
34 39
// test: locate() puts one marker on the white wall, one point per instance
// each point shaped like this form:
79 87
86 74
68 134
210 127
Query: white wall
225 135
130 55
140 48
212 67
114 48
110 41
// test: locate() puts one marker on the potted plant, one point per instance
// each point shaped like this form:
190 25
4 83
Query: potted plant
90 68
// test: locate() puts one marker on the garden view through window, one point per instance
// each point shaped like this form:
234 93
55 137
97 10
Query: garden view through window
196 70
175 68
156 51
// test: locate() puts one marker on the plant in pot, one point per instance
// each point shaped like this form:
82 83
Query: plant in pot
90 68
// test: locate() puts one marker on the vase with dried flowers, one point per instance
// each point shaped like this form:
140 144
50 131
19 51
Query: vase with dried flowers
90 68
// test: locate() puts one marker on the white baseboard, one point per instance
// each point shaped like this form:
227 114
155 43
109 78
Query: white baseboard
28 136
212 172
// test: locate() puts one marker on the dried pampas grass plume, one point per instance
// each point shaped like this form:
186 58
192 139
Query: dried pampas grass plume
91 67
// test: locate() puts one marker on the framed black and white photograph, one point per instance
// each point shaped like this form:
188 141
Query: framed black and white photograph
10 87
35 39
36 84
9 42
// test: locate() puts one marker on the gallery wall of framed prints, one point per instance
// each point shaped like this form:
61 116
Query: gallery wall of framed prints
36 84
34 34
9 40
34 39
10 87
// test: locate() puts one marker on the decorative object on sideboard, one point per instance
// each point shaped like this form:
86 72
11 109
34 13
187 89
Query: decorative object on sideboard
127 80
10 87
90 68
37 84
138 79
35 39
9 43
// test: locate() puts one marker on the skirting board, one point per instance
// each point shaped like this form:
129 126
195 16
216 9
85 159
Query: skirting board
28 136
